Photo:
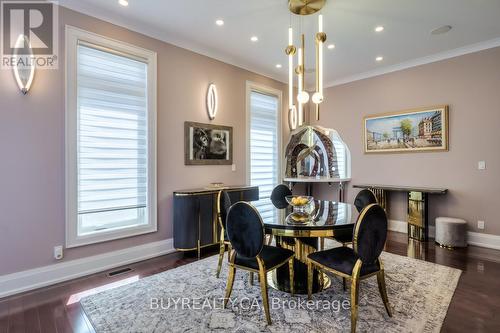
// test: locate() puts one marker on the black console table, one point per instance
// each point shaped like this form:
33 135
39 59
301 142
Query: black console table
418 203
195 215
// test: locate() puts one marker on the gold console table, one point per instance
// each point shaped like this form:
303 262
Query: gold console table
418 203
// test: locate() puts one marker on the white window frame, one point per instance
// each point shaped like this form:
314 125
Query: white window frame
73 36
253 86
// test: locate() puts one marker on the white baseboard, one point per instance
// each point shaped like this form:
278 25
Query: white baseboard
483 240
398 226
473 238
15 283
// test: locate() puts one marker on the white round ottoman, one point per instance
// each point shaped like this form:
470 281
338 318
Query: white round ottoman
451 232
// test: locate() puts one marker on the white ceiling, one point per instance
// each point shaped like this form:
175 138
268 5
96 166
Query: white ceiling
349 24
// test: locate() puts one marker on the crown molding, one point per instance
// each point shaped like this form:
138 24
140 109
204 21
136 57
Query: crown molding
489 44
162 35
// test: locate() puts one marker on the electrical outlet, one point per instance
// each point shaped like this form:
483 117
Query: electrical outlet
233 167
58 252
480 225
481 165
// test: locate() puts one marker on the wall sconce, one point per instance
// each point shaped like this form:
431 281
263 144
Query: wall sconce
24 65
212 101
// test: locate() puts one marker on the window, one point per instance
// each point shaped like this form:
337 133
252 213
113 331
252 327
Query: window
264 131
110 139
343 155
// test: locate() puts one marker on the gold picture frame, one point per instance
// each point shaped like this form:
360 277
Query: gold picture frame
414 130
207 144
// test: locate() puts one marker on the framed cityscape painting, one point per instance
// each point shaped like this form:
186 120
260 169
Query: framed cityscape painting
418 130
207 144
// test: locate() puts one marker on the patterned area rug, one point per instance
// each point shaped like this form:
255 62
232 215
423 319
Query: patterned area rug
189 299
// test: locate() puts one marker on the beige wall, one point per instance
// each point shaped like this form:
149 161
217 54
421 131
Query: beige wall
32 145
470 84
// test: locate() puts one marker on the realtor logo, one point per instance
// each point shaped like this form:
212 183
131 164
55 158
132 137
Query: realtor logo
29 33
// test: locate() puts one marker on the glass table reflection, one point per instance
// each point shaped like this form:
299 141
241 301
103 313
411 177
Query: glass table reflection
301 232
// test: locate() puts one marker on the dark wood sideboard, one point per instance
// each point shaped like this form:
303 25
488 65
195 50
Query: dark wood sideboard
195 215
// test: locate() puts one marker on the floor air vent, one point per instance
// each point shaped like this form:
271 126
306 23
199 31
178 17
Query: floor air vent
119 271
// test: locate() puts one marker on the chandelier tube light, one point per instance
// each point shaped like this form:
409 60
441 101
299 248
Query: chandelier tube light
299 87
292 110
320 40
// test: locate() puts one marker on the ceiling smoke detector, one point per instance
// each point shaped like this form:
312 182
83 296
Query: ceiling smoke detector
441 30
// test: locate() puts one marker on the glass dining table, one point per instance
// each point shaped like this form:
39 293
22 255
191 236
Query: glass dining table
301 233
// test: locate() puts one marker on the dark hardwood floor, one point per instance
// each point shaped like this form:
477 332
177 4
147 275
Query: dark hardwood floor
475 306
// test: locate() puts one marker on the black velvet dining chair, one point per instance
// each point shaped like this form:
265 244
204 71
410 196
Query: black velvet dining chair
364 198
278 196
358 263
223 204
245 230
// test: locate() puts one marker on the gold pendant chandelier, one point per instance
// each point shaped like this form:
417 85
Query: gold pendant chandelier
296 111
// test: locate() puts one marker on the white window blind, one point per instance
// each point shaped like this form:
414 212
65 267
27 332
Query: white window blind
264 152
112 140
343 155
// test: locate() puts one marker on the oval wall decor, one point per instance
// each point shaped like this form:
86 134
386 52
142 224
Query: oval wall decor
24 67
212 101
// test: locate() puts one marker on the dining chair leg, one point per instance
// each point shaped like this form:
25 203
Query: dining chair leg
309 279
263 289
383 290
222 249
230 282
229 248
355 294
230 277
292 276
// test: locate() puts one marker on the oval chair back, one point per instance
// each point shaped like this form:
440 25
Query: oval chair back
370 233
364 198
223 205
245 229
278 196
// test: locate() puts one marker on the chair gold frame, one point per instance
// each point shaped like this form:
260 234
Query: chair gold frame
262 273
222 242
355 277
344 244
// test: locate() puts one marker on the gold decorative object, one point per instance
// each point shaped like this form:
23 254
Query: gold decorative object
296 112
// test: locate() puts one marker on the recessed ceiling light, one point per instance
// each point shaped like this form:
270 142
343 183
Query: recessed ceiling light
331 46
219 22
379 28
278 66
379 58
124 3
441 30
254 38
